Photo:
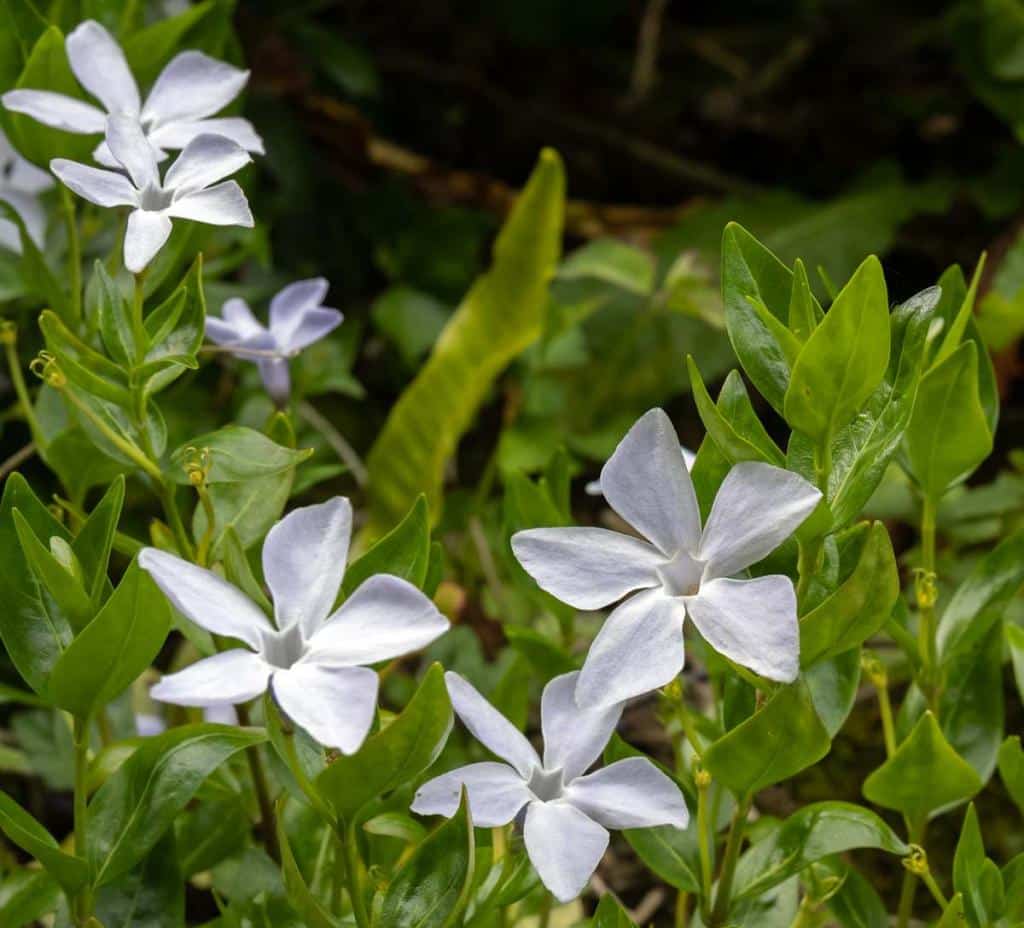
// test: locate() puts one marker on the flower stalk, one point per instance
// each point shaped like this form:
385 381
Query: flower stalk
730 857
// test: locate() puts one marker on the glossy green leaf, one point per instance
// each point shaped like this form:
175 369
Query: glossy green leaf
403 552
858 608
395 755
948 435
26 896
1011 769
954 916
501 315
843 360
610 914
982 895
1015 642
174 331
857 905
782 738
114 315
433 886
925 774
24 831
149 49
85 366
237 454
833 684
131 811
114 648
804 311
313 914
151 895
95 540
813 833
39 278
612 262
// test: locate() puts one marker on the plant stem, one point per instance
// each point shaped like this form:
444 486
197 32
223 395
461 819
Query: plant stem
67 202
733 843
704 840
138 325
353 867
268 819
926 595
345 452
10 340
169 502
803 915
83 903
808 556
545 911
682 910
915 835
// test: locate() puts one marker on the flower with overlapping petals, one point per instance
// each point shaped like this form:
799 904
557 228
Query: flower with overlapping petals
187 93
676 569
297 319
193 187
313 657
567 811
21 182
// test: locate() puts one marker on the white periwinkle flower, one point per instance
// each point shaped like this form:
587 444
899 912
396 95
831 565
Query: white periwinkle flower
189 189
676 569
593 488
21 182
568 811
313 657
297 319
188 91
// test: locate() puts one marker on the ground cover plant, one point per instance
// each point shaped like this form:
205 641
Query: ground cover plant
581 579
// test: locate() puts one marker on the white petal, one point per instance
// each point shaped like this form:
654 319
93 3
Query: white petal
289 303
752 622
221 205
238 323
205 598
573 737
385 617
127 143
193 85
276 380
630 793
587 567
304 559
145 234
104 188
757 508
204 161
56 110
334 704
10 236
496 794
593 487
646 482
100 66
27 178
564 846
490 727
31 212
639 649
176 135
231 676
312 326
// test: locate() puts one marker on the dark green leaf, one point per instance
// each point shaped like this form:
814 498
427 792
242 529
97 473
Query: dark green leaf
237 455
23 830
403 552
1011 769
610 914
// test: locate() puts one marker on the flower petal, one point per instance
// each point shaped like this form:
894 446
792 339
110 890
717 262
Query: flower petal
177 134
291 302
205 598
304 559
31 212
145 234
490 727
25 177
193 85
231 676
646 482
104 188
10 236
573 737
204 161
752 622
221 205
757 508
496 794
630 793
277 380
587 567
385 617
56 110
127 143
639 649
564 846
101 68
334 704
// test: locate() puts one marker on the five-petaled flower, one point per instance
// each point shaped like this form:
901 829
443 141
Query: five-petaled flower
676 570
313 657
297 319
567 811
189 189
187 92
21 182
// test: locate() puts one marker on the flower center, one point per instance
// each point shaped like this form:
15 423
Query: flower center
154 198
282 649
546 785
681 576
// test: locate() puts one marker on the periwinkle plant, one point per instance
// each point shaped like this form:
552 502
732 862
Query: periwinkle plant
319 807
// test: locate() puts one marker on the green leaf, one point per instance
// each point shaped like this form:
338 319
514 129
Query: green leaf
237 455
39 278
804 311
1011 769
313 914
613 263
26 896
857 905
34 629
948 435
84 366
610 914
501 315
131 811
784 737
411 319
954 916
858 608
23 830
982 903
1015 642
925 774
95 539
396 754
813 833
149 49
174 331
150 896
114 648
404 552
833 684
433 886
843 360
114 317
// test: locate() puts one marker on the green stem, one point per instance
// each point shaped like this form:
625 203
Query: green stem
682 910
545 911
74 252
268 818
83 903
169 501
20 389
933 888
720 912
804 913
138 324
915 835
808 556
926 605
354 870
704 841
